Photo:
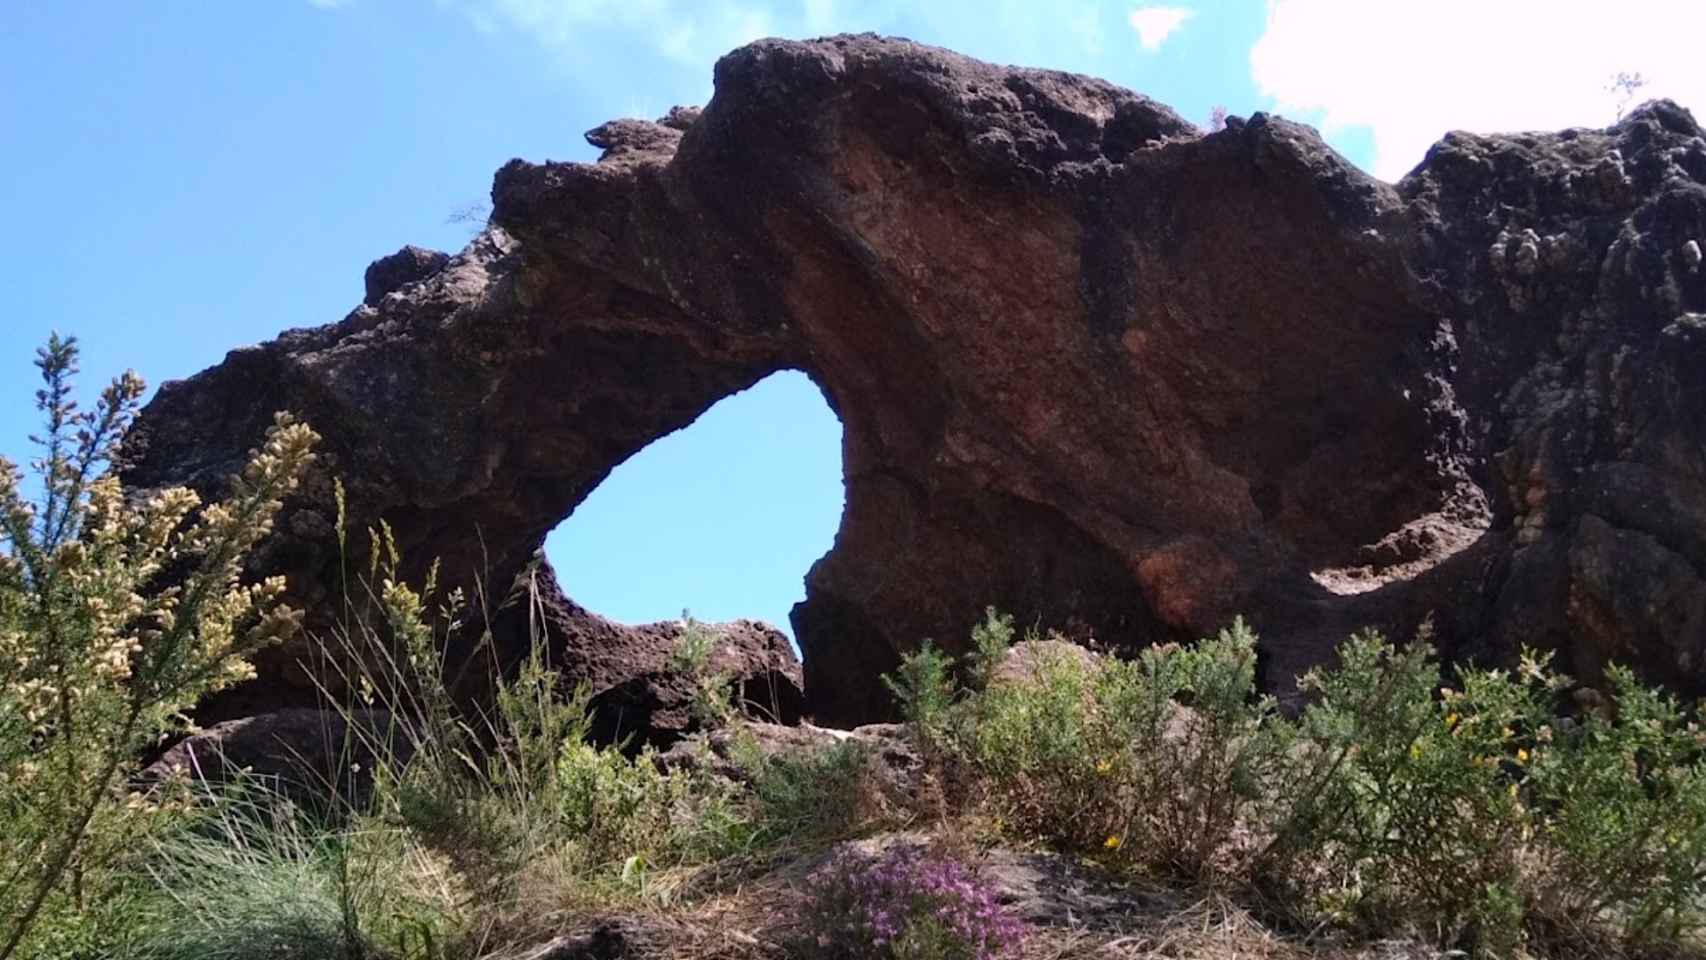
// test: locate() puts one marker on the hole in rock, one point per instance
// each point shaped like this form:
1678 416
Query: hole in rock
721 518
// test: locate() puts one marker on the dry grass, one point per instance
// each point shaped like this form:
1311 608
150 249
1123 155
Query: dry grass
750 909
752 913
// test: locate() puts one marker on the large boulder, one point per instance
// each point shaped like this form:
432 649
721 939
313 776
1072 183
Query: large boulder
641 693
1113 374
306 754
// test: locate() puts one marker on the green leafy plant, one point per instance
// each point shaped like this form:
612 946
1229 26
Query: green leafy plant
810 795
1615 810
1204 755
925 689
1158 761
991 641
116 616
1476 812
712 706
1416 819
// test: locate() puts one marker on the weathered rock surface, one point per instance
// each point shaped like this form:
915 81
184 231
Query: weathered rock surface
305 753
1093 366
392 273
893 765
638 693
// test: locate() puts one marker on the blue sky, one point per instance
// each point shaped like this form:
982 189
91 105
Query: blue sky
184 177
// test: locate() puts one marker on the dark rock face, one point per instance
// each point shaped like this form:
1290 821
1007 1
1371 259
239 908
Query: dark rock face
1093 366
638 694
409 265
307 753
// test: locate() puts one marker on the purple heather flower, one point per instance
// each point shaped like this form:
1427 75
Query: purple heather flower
872 902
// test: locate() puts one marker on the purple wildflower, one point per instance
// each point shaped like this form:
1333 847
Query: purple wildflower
903 901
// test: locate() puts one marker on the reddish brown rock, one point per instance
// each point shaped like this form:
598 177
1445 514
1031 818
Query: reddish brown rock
1093 366
640 695
308 754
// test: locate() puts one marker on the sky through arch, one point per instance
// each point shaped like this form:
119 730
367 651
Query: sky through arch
722 517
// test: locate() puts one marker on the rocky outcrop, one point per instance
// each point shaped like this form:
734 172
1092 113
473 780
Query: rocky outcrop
892 767
1093 366
392 273
307 754
640 693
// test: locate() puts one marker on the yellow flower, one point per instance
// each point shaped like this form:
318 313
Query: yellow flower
1112 843
1451 720
1415 751
1513 791
1104 765
1522 756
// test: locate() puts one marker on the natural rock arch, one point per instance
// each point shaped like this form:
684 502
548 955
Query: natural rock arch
1094 366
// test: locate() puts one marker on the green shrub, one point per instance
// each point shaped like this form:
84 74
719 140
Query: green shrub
1411 817
712 704
518 799
925 689
810 795
1157 761
990 642
1201 754
1024 750
1616 809
1475 814
116 616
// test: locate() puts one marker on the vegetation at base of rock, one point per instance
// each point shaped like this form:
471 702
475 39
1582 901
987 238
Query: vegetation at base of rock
711 704
1477 815
1479 810
116 616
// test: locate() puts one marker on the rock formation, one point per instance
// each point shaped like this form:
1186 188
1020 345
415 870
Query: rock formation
1094 366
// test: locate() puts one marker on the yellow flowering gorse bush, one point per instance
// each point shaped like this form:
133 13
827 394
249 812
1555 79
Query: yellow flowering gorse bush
117 614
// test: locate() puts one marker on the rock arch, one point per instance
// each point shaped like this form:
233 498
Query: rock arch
1092 365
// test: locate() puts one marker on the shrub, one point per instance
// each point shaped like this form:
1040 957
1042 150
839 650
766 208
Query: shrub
1411 817
905 904
116 616
1024 749
1472 814
925 689
1476 814
517 798
809 795
711 706
1200 755
1156 761
1616 806
991 641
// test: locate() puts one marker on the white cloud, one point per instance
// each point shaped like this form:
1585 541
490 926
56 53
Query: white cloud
1412 70
1155 24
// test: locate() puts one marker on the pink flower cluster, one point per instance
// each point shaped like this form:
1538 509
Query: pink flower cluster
907 902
